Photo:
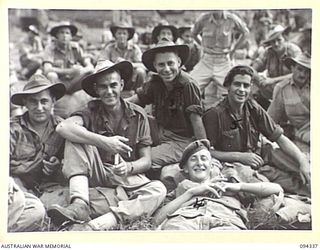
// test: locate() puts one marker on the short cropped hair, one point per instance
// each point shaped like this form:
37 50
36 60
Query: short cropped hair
239 70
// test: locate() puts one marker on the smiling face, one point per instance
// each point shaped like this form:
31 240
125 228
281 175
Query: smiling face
187 37
199 166
167 65
109 87
239 90
39 106
165 33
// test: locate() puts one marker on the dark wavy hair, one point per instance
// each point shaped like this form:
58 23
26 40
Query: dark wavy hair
239 70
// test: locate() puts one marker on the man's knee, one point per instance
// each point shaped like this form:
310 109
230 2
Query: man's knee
52 76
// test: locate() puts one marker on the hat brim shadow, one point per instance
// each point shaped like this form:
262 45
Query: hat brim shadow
125 68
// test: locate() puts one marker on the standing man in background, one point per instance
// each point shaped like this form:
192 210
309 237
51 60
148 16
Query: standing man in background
217 29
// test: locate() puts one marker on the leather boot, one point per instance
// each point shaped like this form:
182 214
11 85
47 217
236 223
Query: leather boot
75 212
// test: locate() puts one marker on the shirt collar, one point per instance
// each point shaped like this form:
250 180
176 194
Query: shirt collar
212 19
129 46
128 109
292 83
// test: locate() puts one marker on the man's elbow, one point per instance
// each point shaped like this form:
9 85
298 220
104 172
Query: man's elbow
62 128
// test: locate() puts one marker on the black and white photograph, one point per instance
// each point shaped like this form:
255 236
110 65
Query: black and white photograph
159 120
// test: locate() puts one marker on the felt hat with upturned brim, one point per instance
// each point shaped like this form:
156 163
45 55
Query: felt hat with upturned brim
302 59
164 45
122 25
125 69
192 148
54 29
36 84
275 33
157 29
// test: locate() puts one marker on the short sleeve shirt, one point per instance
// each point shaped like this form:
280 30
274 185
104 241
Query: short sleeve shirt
134 125
132 53
173 109
229 134
290 103
217 34
225 208
64 59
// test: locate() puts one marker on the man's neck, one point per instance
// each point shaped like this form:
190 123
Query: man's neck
38 127
114 111
122 46
235 108
62 46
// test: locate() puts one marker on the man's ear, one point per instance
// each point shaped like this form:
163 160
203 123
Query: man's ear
122 84
185 170
179 61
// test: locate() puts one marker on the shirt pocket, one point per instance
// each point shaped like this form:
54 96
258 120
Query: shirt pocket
231 140
25 151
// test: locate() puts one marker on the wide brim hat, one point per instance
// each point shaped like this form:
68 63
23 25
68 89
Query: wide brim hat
192 148
125 69
182 29
302 59
275 33
162 46
123 25
158 28
54 29
36 84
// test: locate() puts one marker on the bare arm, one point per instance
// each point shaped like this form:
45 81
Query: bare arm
260 189
48 67
143 164
133 99
292 150
72 129
247 158
197 125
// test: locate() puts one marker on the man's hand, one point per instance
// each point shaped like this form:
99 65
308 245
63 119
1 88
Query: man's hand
207 188
12 188
251 159
115 144
51 166
233 187
121 169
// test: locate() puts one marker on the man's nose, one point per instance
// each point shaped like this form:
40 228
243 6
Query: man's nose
39 106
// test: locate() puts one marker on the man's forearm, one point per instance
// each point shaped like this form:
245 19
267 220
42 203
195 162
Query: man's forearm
198 127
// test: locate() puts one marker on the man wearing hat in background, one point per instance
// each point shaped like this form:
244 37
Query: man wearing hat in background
195 48
217 30
31 53
36 150
234 127
176 100
108 145
291 99
64 61
124 49
164 30
272 61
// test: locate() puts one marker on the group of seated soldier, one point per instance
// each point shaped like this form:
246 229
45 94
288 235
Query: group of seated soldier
85 129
